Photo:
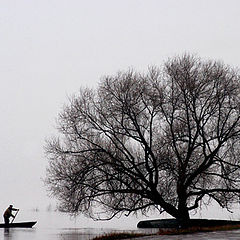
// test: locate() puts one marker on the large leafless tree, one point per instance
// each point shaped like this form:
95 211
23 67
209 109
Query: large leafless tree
167 139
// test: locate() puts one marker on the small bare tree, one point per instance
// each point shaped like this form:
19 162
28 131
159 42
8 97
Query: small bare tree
168 139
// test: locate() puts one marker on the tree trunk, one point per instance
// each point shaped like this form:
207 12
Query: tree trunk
183 213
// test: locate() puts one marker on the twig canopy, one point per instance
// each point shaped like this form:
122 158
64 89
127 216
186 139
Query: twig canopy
167 140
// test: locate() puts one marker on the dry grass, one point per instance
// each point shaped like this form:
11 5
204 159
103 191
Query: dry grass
117 236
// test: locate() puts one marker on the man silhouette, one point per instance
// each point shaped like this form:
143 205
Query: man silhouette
8 213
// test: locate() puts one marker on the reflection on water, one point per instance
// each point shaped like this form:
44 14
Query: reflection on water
74 235
57 234
12 233
57 226
53 234
87 234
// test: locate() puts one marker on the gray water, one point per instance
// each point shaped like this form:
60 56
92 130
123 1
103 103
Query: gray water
58 226
87 234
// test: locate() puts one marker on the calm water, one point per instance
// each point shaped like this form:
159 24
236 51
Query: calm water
85 234
58 226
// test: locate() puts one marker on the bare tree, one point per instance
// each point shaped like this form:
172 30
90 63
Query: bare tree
167 140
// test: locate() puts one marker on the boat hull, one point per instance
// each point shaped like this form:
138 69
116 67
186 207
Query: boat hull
18 225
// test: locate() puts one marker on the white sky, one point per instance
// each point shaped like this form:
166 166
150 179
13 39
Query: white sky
50 48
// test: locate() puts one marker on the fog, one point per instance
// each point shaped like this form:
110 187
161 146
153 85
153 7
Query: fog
50 48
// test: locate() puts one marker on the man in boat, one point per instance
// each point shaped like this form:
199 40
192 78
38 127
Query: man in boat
8 213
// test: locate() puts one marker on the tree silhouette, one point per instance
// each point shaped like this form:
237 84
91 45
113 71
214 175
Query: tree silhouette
165 140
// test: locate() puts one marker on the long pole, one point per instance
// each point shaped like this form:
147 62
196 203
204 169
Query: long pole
15 216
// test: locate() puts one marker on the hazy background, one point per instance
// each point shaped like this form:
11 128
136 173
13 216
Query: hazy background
50 48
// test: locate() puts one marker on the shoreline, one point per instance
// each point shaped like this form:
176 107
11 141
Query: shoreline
201 225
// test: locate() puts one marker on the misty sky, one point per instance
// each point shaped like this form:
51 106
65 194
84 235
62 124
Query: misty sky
50 48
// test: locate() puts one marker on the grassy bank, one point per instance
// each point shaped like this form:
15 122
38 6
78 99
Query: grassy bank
116 236
191 230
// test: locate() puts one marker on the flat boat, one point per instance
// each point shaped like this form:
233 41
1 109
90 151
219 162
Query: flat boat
18 225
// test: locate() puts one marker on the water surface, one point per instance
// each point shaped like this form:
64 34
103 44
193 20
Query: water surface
59 226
